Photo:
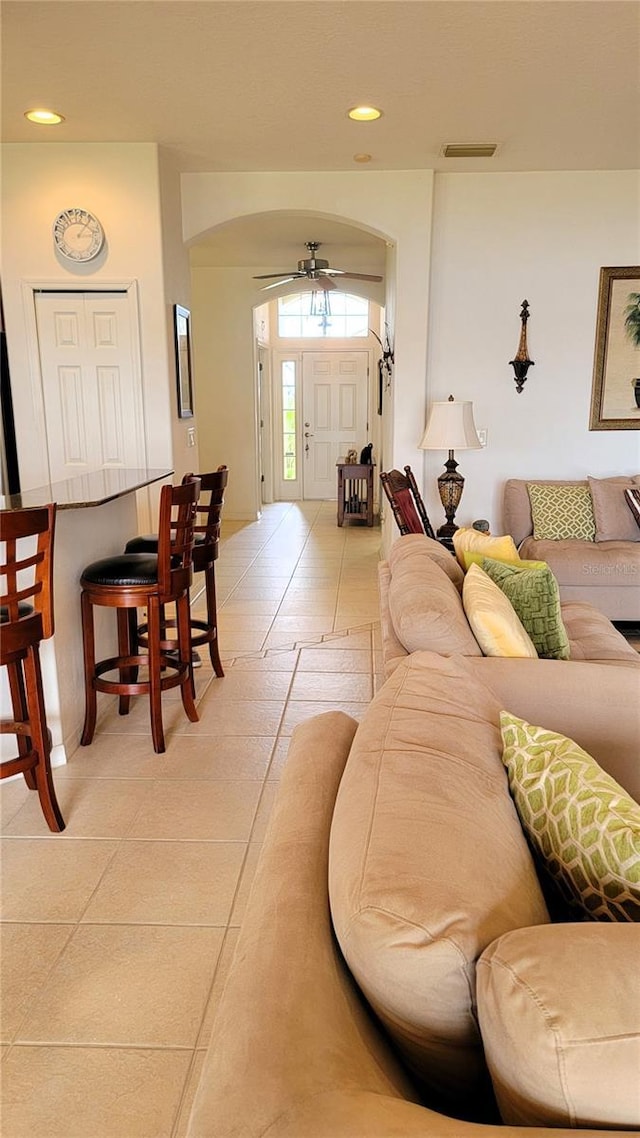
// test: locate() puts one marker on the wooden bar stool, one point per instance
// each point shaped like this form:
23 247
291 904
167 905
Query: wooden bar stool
127 582
26 618
205 553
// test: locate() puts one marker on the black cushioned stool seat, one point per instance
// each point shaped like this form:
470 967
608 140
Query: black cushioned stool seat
124 569
127 582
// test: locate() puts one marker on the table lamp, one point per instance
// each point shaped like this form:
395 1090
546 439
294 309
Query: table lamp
450 427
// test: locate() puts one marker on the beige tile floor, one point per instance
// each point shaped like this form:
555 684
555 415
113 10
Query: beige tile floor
116 935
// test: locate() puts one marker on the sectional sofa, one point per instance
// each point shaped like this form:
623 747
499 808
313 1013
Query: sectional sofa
399 970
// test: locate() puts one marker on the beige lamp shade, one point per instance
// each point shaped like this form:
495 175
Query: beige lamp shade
451 427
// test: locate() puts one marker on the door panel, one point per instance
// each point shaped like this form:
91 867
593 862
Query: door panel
334 405
91 387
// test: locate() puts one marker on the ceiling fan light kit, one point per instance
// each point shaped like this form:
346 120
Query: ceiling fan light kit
315 269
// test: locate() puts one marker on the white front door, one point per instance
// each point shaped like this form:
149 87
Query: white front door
91 384
334 414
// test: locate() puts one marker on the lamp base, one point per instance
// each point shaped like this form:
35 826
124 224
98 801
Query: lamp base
450 487
445 535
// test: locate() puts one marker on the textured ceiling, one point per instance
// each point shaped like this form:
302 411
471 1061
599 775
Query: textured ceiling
265 84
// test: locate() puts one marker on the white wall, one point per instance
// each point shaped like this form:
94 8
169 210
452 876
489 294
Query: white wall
222 315
498 239
396 205
177 290
119 183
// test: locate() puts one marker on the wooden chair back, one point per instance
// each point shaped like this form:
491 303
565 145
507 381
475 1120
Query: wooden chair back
208 515
178 506
406 502
26 571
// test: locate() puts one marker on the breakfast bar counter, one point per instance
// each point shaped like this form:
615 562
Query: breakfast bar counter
97 514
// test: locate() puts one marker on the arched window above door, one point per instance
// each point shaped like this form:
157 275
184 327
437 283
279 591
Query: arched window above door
323 313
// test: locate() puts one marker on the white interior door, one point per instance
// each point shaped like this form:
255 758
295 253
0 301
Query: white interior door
334 413
91 385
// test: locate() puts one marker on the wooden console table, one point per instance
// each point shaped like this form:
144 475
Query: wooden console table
355 492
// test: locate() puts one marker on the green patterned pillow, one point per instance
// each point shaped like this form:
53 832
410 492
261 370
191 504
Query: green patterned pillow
561 512
535 596
582 824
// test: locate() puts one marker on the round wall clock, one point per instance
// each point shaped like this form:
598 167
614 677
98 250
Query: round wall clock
78 235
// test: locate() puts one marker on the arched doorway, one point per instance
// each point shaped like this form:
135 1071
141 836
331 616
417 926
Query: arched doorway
238 353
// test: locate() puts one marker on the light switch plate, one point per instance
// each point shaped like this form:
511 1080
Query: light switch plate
191 436
482 435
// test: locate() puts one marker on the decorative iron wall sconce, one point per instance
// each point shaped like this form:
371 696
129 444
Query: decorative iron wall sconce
522 363
385 366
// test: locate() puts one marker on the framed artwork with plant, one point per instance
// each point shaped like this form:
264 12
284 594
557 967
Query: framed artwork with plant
615 395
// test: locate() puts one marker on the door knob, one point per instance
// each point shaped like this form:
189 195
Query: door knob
308 434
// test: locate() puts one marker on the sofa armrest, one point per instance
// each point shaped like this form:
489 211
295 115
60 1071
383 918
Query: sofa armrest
290 1025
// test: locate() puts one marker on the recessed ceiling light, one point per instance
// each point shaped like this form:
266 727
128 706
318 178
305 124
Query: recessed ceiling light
362 158
469 149
364 114
44 117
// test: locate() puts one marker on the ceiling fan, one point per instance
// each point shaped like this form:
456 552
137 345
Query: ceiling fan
313 268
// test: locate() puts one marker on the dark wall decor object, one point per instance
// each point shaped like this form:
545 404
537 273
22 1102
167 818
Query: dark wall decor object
521 362
385 366
182 335
615 393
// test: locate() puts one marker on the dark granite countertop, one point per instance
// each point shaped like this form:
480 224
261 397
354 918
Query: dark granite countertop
92 489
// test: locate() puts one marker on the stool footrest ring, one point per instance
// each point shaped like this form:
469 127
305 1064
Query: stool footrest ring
119 687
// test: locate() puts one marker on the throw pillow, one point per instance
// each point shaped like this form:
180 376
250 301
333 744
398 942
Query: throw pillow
493 619
471 539
633 501
614 522
471 558
561 512
581 823
535 596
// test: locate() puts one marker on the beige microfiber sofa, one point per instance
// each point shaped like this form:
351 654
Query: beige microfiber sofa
394 884
421 610
606 571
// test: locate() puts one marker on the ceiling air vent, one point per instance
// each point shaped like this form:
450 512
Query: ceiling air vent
469 149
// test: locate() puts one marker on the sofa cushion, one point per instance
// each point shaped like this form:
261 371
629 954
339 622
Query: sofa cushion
469 540
561 512
425 605
493 619
583 825
593 637
428 864
535 596
614 520
563 1041
410 546
590 564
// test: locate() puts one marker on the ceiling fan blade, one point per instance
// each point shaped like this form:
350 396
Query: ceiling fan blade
276 284
268 276
324 282
357 276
